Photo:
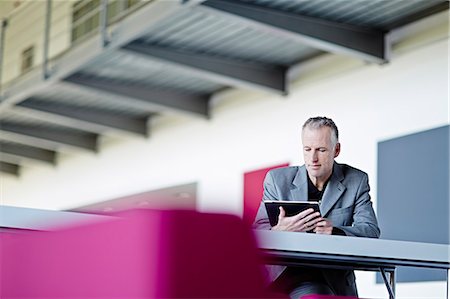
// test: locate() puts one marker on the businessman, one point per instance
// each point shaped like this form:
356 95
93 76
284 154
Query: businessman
345 208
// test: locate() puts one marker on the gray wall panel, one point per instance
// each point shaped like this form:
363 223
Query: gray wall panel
413 193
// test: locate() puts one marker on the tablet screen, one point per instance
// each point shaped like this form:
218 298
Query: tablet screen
291 208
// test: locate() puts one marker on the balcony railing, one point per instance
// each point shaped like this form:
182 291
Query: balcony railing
37 32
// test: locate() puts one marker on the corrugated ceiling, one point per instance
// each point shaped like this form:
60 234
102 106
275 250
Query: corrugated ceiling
175 65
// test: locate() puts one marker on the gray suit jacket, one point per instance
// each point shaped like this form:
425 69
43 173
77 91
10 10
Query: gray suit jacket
346 202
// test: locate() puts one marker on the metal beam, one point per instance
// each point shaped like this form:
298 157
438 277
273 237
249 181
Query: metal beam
361 42
222 70
48 138
91 120
15 152
150 98
9 168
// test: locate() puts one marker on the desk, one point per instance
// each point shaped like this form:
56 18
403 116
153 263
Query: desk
291 249
44 220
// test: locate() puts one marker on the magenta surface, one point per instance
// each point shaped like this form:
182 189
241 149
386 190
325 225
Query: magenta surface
141 254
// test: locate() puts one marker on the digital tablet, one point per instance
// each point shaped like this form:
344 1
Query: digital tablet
291 208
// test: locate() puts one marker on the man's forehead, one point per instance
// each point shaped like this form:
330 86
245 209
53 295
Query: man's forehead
319 135
319 132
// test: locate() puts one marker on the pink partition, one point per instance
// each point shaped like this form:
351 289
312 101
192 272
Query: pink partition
327 297
253 191
141 254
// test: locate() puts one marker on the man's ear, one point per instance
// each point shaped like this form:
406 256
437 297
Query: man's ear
337 149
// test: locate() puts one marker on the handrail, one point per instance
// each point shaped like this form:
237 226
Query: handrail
48 18
3 25
48 28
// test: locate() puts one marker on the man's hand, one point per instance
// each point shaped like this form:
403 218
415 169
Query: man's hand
302 222
324 226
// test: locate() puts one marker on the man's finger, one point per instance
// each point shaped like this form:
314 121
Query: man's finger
306 212
282 213
303 214
321 223
312 217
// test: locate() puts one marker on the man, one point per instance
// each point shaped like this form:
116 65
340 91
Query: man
345 205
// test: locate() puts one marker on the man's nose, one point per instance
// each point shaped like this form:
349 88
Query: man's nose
314 156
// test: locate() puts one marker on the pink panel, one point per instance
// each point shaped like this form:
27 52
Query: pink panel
109 259
253 191
326 297
142 254
214 255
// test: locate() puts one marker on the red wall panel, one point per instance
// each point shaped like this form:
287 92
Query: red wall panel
253 191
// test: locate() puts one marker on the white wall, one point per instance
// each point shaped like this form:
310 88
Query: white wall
248 130
6 6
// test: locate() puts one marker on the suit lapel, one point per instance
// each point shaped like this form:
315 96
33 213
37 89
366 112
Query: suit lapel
299 187
333 190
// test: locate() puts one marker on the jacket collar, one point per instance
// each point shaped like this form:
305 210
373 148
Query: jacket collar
299 187
333 191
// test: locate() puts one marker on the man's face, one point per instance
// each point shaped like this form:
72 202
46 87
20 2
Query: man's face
318 152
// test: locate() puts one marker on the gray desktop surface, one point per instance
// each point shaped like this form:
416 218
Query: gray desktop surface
358 253
12 217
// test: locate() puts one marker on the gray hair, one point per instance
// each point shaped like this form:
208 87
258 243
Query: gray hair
321 121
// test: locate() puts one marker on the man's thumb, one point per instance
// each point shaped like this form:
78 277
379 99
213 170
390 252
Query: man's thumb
282 213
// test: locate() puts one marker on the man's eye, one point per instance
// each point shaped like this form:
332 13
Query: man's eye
307 149
322 150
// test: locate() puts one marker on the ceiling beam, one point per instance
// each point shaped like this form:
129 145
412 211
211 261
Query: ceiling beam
16 152
149 98
361 42
91 120
47 138
222 70
9 168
